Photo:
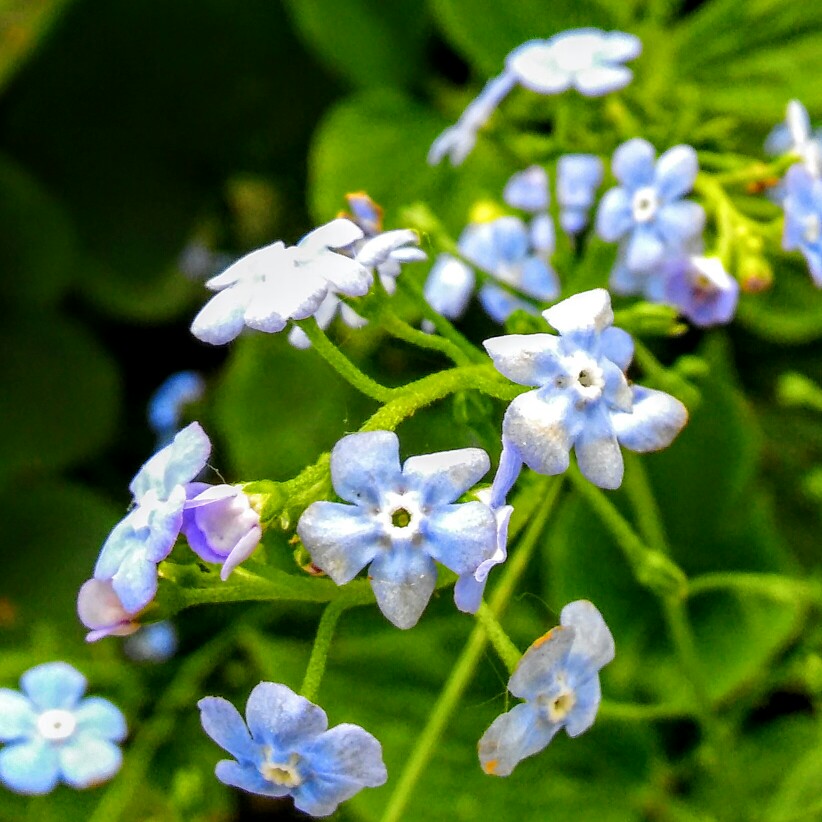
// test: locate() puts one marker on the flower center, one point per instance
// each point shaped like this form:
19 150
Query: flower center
56 725
574 54
645 204
400 518
282 773
560 706
812 228
400 514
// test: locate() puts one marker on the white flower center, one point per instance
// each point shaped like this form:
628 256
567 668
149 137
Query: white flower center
584 376
400 514
812 228
559 706
56 725
645 204
574 54
281 773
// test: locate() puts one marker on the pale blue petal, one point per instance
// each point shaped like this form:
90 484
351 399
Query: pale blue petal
510 466
618 346
676 172
53 685
533 65
223 723
593 645
468 592
122 542
444 476
29 767
614 216
338 233
573 220
597 450
541 430
363 464
778 141
342 539
246 777
222 318
278 717
582 715
87 760
543 236
678 222
644 250
578 177
597 81
587 312
165 522
403 580
538 279
460 536
510 238
654 422
633 163
512 737
98 717
499 304
624 281
135 583
619 47
348 277
343 761
536 672
17 716
616 391
166 405
449 286
527 359
456 143
378 249
528 189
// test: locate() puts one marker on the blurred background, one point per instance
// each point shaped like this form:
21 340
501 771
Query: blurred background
143 145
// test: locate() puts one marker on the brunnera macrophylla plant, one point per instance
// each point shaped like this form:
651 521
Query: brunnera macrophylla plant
374 525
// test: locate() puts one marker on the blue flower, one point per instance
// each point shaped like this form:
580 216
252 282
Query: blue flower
647 211
558 677
152 643
583 400
399 521
287 750
795 135
701 289
275 284
221 525
528 190
578 178
505 249
53 735
803 217
167 403
470 587
588 60
146 535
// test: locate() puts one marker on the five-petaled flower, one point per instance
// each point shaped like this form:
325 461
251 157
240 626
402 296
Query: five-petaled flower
288 750
647 211
588 60
146 535
582 398
272 285
701 289
795 135
54 735
399 520
558 677
803 217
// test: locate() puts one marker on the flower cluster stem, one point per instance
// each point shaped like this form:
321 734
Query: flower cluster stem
319 652
508 652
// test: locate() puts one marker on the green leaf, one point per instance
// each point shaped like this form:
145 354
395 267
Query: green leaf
484 31
59 394
368 42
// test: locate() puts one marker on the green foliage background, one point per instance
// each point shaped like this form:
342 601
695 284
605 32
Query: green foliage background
127 131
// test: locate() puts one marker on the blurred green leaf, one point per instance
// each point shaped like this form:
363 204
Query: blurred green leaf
368 42
59 394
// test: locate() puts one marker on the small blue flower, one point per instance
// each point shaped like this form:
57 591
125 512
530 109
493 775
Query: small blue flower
221 525
54 735
528 190
275 284
165 408
146 535
582 398
647 211
470 587
588 60
578 178
702 290
399 521
156 642
558 677
288 750
503 248
803 217
795 135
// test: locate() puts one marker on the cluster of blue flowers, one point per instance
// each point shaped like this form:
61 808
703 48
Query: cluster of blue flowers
399 520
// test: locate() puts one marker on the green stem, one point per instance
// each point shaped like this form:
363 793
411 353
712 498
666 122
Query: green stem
650 566
772 586
400 329
319 652
342 365
463 670
756 172
508 652
633 712
643 502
